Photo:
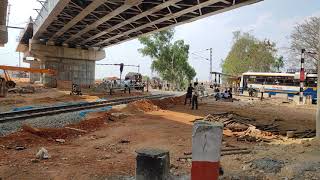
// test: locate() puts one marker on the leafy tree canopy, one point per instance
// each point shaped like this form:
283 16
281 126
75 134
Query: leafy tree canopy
249 54
278 64
170 60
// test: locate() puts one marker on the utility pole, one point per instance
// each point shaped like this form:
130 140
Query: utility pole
208 59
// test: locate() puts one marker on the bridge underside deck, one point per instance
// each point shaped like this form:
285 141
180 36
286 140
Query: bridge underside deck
101 23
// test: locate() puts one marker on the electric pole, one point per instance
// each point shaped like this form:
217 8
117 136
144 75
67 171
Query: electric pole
208 59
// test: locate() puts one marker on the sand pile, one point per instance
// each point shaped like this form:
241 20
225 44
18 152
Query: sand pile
143 105
169 102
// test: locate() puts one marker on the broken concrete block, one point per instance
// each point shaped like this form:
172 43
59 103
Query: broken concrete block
60 140
42 154
119 115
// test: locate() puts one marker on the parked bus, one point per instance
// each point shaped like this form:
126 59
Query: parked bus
280 83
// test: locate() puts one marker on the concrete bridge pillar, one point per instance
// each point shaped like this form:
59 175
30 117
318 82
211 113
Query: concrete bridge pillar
3 22
73 65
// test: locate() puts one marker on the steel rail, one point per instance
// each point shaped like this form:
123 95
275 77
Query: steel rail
48 111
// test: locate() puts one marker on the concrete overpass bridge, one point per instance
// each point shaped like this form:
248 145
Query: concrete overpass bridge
69 35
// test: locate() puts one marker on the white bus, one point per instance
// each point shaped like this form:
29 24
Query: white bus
274 83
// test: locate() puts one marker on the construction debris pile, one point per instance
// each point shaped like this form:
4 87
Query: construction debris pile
239 126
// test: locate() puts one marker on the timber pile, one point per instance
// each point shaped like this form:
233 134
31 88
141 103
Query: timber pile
241 127
232 121
306 134
224 152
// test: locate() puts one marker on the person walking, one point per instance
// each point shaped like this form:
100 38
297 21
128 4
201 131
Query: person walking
195 95
189 94
250 90
230 93
202 89
262 91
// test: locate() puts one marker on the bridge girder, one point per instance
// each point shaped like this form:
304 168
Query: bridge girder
102 23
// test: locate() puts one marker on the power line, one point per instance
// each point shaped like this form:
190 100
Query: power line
200 56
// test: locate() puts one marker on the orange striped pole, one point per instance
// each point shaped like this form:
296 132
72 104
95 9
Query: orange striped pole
206 150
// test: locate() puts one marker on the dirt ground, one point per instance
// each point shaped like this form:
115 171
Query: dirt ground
108 147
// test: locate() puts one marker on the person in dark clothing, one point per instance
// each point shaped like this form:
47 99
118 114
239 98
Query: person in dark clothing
230 93
251 91
195 95
189 94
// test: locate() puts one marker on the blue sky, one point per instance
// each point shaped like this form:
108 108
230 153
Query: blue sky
271 19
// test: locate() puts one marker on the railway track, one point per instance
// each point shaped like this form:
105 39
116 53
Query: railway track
49 111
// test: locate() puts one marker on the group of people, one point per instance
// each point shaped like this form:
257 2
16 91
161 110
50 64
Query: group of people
227 94
193 93
251 91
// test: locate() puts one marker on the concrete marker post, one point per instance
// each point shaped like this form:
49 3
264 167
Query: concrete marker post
206 150
152 164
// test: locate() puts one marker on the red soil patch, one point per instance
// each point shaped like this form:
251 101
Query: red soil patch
142 105
169 102
91 124
30 135
154 105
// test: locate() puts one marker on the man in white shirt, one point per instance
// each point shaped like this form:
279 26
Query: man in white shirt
195 95
202 89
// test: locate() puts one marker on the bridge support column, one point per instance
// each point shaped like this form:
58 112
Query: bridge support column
33 76
71 64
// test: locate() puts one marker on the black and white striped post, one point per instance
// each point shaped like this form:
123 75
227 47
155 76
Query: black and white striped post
302 76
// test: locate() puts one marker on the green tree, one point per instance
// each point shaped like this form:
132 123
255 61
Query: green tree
170 60
249 54
278 64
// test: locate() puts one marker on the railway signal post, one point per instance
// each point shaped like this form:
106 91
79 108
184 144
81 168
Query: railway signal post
302 76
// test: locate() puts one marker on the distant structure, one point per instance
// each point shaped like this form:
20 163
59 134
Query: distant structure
69 35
